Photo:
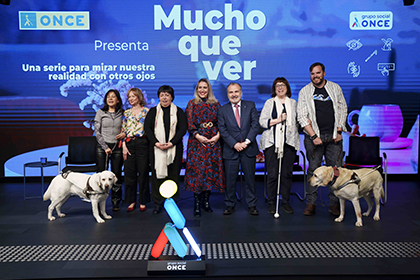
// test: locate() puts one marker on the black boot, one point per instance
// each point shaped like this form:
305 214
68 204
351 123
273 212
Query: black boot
206 204
197 209
116 197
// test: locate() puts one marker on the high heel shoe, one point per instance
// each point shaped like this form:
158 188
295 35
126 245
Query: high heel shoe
131 207
142 208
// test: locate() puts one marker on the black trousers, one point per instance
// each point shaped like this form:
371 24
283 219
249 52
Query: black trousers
272 164
136 170
116 160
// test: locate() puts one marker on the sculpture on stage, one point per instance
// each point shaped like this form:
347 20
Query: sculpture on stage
170 230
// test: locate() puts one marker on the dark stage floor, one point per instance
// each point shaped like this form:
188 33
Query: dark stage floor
239 245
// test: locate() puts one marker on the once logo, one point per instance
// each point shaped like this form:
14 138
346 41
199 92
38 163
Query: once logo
371 20
37 20
176 267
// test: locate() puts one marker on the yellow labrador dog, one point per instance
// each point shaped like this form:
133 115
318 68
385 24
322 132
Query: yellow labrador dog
94 187
351 185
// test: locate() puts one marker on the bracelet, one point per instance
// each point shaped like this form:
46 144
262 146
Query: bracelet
313 137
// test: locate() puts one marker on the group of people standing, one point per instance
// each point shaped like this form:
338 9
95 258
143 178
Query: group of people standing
222 141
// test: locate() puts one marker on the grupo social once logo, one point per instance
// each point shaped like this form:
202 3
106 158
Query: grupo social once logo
176 266
371 20
38 20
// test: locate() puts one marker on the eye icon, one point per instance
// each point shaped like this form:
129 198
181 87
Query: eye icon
354 44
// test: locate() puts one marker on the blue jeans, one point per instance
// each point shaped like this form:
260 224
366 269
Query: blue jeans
333 157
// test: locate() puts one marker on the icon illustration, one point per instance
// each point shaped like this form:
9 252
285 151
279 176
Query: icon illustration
387 44
353 69
354 44
375 52
385 68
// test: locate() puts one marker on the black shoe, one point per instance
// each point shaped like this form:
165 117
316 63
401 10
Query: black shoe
197 201
229 210
157 209
205 201
115 207
253 210
271 208
287 208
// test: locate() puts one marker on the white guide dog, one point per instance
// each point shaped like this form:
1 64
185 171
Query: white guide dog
351 185
94 188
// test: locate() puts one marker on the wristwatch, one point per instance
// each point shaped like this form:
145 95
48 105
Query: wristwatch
313 137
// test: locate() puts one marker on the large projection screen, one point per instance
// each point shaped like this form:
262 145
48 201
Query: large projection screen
58 59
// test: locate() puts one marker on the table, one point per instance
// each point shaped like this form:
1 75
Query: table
36 164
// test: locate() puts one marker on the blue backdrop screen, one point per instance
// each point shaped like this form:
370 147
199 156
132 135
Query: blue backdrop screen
59 58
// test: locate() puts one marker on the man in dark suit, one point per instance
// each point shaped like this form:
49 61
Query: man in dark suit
238 126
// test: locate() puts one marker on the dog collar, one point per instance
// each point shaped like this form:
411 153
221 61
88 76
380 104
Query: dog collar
88 190
335 175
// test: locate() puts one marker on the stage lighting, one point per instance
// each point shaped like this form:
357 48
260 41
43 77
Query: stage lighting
408 2
5 2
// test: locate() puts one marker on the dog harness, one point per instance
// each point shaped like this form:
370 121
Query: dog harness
354 178
87 191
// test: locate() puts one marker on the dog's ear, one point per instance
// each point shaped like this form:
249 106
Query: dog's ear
115 179
95 179
329 171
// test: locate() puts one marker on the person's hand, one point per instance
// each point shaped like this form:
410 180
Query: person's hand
160 146
120 136
239 147
214 139
339 138
283 117
203 140
126 152
168 145
108 151
164 146
317 141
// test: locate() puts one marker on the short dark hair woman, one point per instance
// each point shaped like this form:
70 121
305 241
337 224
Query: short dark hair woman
165 126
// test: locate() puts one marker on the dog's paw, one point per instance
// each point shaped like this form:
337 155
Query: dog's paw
338 220
358 224
100 221
376 218
52 218
62 215
365 214
108 217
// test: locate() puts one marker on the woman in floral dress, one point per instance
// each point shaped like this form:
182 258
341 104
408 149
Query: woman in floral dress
204 170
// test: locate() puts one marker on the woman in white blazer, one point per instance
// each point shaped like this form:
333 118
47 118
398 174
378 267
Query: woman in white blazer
279 141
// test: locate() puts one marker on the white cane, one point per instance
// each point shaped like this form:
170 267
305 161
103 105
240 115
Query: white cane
276 215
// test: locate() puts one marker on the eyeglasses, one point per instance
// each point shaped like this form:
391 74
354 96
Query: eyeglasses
280 85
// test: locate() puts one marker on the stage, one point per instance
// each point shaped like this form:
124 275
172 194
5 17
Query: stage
239 245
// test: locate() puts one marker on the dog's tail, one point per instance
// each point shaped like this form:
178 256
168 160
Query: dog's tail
382 193
47 194
381 174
